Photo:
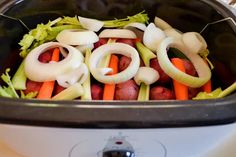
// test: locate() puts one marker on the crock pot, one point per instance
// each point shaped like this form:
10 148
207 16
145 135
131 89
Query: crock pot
206 128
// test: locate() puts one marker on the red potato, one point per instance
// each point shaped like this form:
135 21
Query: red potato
58 89
161 93
192 92
127 91
97 92
124 63
164 78
130 42
45 57
101 42
32 86
189 68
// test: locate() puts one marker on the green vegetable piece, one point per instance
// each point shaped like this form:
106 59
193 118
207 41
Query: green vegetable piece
145 53
104 63
29 95
8 91
69 21
87 84
218 93
144 92
70 93
19 79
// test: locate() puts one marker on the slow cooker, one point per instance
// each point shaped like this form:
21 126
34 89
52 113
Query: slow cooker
203 128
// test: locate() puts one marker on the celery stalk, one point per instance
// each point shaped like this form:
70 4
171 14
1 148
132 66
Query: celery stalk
87 84
145 53
144 92
19 79
73 92
228 90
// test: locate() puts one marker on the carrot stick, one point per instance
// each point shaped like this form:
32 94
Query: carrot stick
208 86
46 89
109 89
181 90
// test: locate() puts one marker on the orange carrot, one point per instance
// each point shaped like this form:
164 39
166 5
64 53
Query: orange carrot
208 86
46 89
181 90
109 89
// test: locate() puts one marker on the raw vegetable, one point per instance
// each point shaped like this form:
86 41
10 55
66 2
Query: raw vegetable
109 89
70 93
140 26
146 75
77 37
84 48
90 24
181 90
87 83
41 72
19 79
145 53
116 48
201 67
106 60
153 36
47 87
144 92
9 91
161 23
48 32
117 33
217 93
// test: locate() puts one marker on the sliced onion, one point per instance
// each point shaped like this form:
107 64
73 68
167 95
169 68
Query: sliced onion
137 25
201 67
83 48
161 23
117 33
77 37
116 48
40 72
171 32
153 36
194 42
78 75
146 75
90 24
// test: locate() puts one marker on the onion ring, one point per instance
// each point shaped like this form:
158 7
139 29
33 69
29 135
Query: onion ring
117 33
40 72
201 67
117 48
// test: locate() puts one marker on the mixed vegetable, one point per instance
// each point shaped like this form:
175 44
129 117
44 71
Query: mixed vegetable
122 59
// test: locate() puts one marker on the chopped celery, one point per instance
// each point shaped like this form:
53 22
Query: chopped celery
72 92
87 84
8 91
144 92
218 93
19 79
145 53
29 95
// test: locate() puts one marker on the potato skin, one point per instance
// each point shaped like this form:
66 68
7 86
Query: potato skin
124 63
97 92
127 91
164 78
189 68
161 93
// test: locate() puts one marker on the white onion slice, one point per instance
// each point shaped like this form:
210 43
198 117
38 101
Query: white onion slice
203 70
137 25
40 72
116 48
194 42
153 36
146 75
161 23
90 24
117 33
78 75
77 37
171 32
83 48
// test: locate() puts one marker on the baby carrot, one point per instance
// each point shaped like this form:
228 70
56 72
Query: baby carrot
109 89
181 90
46 89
